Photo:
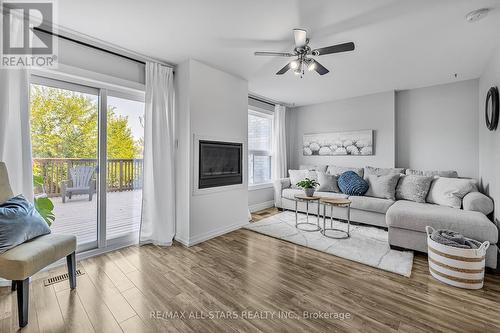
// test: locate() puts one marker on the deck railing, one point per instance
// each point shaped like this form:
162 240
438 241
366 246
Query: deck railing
122 174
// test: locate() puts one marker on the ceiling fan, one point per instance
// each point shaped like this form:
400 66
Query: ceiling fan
304 54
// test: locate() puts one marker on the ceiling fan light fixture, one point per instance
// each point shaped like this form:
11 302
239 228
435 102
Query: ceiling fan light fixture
311 66
294 64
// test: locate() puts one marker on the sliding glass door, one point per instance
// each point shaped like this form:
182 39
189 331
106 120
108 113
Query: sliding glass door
64 137
87 158
125 144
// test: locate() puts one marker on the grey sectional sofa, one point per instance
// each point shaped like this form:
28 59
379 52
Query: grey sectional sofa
405 220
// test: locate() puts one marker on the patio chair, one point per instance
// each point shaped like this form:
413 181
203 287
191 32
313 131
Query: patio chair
81 182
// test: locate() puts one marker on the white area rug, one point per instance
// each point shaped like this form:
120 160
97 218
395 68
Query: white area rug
367 245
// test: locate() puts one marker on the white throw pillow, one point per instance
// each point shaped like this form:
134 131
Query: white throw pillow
298 175
450 191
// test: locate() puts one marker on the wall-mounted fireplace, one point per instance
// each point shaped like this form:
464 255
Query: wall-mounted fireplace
220 164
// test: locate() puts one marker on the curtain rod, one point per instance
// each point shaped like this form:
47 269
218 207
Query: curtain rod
268 100
260 100
76 41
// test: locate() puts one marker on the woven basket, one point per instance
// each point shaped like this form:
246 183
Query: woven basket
463 268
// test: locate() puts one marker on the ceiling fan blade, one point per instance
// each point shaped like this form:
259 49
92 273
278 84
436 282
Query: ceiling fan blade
274 54
300 36
284 69
334 49
320 68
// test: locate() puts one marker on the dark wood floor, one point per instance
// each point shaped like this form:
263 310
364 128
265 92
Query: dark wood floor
239 274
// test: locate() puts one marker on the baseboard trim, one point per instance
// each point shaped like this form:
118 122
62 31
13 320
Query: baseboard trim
261 206
211 234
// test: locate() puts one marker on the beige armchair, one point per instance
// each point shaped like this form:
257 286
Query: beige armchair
24 260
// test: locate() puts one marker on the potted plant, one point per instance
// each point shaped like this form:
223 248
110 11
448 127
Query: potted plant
308 185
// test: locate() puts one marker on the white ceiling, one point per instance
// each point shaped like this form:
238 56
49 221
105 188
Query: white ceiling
400 44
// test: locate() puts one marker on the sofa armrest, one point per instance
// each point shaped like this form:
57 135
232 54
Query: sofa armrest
279 185
478 202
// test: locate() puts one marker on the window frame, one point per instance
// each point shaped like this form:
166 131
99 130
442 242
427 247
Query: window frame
263 113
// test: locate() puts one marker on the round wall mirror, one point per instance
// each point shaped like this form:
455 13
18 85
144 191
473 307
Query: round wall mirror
491 109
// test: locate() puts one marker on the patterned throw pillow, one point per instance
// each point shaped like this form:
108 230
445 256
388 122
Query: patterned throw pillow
433 173
413 188
351 183
327 183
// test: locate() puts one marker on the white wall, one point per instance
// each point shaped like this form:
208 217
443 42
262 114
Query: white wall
215 106
90 59
489 142
365 112
436 128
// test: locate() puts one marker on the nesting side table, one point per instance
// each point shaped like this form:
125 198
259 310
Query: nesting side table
331 202
306 199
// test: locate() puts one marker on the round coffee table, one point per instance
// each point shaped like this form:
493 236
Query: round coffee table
306 199
333 202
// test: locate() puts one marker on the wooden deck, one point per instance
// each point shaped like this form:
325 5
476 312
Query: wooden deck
78 216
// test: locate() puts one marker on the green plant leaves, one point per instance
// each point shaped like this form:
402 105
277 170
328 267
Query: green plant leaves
307 183
45 208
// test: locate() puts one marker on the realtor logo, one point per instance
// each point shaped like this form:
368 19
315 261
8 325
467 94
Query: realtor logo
28 34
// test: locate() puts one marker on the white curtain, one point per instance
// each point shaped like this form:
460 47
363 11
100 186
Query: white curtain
158 202
279 167
15 137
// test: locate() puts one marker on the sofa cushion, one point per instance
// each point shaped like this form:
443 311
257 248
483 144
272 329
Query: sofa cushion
352 184
327 183
311 167
450 191
368 170
416 216
413 188
290 193
478 202
338 170
370 204
382 186
433 173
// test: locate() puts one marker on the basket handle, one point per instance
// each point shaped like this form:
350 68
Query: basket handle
429 230
482 249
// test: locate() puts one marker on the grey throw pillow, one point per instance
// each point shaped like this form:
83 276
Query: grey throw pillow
382 186
450 191
327 183
433 173
19 222
413 188
382 171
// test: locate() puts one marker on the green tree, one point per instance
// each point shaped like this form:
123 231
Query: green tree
64 125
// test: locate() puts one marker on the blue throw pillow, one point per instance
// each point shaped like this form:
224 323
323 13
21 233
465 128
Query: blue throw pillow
19 222
352 184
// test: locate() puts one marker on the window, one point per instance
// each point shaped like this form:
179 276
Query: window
260 128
